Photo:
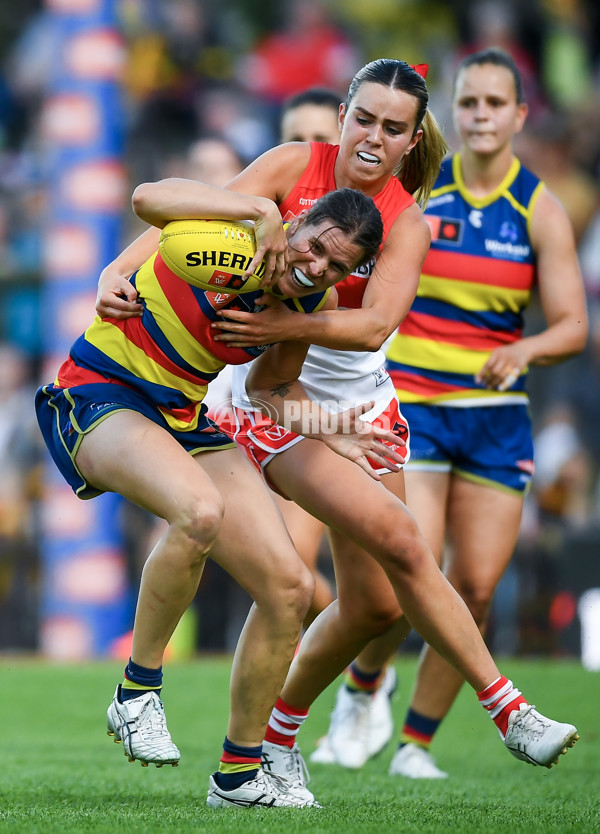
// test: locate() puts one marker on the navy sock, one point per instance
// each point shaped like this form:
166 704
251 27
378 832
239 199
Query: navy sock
229 776
139 679
231 781
418 729
359 681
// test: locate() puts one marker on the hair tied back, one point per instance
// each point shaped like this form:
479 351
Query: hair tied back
422 69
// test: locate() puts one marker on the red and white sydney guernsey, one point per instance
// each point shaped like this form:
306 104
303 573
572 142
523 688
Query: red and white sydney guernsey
339 379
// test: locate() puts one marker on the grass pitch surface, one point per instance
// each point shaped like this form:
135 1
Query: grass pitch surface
62 773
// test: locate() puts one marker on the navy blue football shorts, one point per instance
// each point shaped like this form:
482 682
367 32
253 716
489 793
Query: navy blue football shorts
65 415
491 445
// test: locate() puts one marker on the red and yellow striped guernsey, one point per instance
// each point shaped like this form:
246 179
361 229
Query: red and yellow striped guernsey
169 353
475 283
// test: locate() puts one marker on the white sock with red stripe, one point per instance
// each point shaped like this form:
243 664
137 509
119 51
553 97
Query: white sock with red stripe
284 723
500 698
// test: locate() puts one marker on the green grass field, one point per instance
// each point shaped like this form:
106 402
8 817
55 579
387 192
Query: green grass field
62 773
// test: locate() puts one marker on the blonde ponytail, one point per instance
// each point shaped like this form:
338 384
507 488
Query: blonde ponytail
419 169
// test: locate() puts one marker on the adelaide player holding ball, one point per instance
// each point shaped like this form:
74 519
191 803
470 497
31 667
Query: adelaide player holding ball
125 414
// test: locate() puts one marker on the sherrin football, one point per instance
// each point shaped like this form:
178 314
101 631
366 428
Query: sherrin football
211 254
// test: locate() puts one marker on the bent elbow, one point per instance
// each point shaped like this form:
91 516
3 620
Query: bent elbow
375 339
255 390
144 202
140 200
371 345
575 348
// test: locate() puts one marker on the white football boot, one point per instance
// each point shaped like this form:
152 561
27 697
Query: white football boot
266 789
538 740
287 763
414 762
381 724
349 729
141 725
322 754
351 722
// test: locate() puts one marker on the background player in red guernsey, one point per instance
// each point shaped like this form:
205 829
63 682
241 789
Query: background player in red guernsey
459 363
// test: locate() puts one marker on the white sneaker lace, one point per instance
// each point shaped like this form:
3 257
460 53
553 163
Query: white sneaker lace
296 767
272 783
153 722
531 722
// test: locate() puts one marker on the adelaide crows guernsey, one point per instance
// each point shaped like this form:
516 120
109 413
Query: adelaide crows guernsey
475 283
169 353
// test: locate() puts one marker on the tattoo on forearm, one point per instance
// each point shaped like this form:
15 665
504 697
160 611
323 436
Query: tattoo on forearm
281 390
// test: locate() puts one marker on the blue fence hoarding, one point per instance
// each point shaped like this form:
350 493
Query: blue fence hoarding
86 599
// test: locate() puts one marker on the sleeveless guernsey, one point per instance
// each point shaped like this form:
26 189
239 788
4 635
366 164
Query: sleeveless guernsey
476 281
339 379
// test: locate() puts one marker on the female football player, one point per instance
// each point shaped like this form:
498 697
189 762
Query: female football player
125 414
383 564
459 364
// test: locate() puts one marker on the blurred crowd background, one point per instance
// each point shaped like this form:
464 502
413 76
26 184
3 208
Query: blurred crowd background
200 86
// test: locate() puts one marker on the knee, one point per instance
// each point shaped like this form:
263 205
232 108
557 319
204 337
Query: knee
478 600
403 551
300 592
292 595
369 618
197 523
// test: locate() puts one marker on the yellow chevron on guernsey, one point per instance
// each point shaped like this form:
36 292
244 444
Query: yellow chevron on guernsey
424 353
114 344
188 346
473 296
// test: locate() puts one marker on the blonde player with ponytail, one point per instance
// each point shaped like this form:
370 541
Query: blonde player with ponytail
382 562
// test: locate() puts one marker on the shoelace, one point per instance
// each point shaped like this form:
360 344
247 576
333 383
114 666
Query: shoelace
296 767
269 780
532 723
154 723
274 785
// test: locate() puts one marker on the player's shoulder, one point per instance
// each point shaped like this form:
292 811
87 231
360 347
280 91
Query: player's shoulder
548 211
282 164
525 185
290 153
410 221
